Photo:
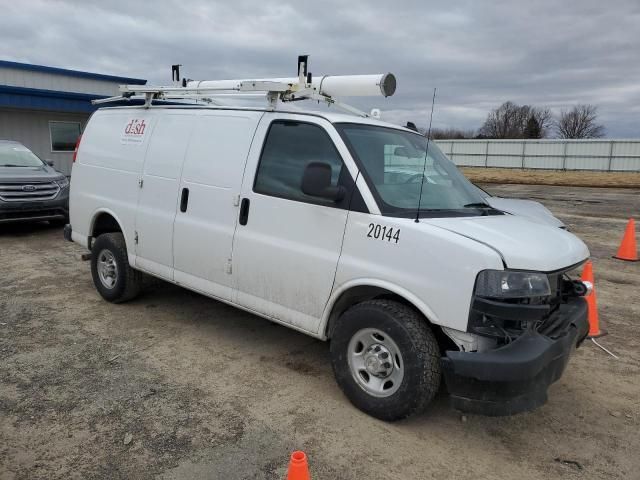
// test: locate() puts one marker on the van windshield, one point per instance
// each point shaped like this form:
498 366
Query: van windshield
393 164
16 155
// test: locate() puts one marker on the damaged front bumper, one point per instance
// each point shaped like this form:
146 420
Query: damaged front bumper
515 377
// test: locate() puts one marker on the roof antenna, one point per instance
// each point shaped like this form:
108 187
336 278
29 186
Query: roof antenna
426 155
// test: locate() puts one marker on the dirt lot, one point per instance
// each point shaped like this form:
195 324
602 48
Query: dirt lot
207 391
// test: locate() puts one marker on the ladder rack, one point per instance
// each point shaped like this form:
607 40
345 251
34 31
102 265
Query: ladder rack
303 87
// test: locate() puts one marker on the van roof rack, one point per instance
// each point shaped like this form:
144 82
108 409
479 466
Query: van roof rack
303 87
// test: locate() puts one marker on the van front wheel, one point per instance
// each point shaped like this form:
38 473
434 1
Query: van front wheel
114 279
386 359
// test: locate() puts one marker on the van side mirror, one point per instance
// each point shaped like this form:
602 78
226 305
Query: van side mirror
49 162
316 182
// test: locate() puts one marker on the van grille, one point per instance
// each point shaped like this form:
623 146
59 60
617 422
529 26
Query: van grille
21 192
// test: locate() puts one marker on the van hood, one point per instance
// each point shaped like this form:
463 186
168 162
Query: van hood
531 209
522 243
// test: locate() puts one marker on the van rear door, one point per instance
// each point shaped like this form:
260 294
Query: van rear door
157 202
208 200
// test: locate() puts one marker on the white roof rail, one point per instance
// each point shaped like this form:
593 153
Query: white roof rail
303 87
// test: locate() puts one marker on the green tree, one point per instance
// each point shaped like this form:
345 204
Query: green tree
532 129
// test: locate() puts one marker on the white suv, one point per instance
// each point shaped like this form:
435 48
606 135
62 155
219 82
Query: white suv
311 220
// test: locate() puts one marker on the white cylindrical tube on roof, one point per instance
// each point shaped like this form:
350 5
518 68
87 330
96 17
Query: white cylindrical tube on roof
335 86
356 85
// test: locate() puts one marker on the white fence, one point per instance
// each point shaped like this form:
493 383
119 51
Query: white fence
604 155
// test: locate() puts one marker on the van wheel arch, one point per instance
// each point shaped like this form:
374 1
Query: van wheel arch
364 293
104 222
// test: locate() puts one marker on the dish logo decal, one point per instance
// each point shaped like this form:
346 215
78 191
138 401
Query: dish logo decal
134 131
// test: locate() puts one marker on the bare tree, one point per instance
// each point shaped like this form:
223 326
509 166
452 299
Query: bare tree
503 122
510 120
579 122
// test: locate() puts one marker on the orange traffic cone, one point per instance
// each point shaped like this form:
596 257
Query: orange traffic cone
628 250
592 307
298 467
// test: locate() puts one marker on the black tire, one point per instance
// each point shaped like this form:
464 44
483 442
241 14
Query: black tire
418 348
127 280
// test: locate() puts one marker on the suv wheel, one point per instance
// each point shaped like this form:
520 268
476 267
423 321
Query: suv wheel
114 279
386 359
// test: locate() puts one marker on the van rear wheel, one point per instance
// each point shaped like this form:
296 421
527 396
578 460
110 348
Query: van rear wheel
385 359
114 279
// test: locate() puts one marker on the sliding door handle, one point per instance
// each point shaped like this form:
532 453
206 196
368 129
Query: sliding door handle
244 211
184 199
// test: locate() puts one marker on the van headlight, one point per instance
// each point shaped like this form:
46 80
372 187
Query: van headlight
62 182
503 284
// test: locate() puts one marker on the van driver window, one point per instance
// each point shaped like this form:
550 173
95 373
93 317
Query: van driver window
290 146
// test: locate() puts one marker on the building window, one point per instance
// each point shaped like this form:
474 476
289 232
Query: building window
64 136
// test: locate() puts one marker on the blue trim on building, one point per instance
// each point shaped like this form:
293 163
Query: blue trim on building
37 99
71 73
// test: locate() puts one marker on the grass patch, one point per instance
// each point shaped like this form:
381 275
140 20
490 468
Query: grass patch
552 177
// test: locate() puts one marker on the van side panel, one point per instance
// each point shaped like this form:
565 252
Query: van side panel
212 174
158 199
105 176
431 267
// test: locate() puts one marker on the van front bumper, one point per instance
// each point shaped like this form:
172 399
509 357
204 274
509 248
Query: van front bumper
515 378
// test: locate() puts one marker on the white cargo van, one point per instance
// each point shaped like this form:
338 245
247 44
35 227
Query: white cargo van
311 220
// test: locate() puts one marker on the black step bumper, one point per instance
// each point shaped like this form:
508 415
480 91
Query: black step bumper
515 378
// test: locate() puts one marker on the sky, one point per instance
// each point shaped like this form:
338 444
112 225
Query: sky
478 54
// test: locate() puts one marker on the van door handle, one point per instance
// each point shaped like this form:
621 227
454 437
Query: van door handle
244 211
184 199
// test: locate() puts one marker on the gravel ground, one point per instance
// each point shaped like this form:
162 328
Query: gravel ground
175 385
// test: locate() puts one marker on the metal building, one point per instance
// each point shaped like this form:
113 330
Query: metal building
46 108
587 154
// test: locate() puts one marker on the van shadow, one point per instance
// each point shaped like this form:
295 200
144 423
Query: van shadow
23 229
216 321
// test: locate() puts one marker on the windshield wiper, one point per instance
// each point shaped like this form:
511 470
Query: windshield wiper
477 205
10 165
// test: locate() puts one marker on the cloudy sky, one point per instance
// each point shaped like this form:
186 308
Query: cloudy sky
477 53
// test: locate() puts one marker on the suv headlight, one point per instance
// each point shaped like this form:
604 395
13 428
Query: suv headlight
503 284
62 182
